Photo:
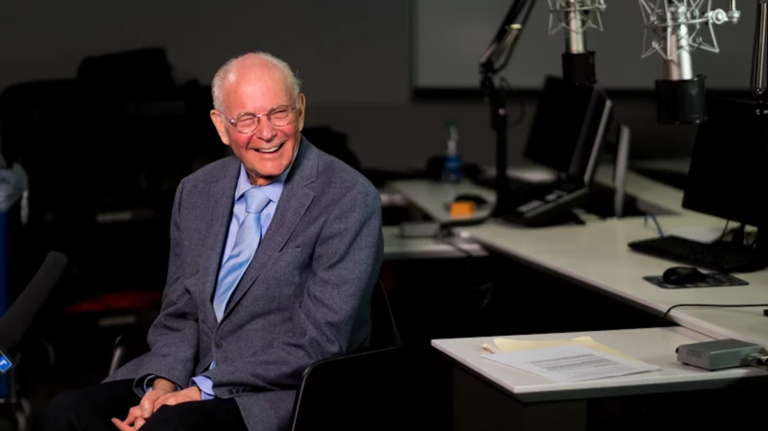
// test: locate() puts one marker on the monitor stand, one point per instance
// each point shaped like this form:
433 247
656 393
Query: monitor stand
740 239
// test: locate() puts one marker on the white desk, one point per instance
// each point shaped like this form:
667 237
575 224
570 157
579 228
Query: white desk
540 404
397 247
596 255
655 346
432 197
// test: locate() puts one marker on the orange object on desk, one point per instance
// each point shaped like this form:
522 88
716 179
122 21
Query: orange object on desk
462 208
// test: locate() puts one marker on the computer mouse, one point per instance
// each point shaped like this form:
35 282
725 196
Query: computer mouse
470 197
681 275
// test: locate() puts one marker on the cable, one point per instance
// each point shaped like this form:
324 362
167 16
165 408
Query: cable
465 222
656 222
757 359
754 241
444 239
521 115
725 229
713 305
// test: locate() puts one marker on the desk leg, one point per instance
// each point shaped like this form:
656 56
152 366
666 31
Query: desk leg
480 406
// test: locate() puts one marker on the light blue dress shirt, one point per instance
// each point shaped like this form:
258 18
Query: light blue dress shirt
273 191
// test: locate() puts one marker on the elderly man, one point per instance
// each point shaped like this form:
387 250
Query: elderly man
274 254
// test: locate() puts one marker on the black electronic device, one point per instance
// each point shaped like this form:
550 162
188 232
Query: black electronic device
729 172
569 128
567 136
548 204
720 257
680 275
728 176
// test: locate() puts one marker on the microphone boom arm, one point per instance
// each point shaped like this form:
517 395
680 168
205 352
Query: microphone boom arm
494 60
760 54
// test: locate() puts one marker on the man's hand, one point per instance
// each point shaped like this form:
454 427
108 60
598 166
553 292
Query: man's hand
190 394
138 415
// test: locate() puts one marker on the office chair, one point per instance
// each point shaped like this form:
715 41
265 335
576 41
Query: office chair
353 391
333 142
350 391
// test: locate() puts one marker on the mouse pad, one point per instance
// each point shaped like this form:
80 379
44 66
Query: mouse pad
713 280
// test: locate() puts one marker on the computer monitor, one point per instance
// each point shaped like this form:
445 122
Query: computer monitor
570 126
728 176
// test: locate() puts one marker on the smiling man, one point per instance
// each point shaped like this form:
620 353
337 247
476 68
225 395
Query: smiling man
274 254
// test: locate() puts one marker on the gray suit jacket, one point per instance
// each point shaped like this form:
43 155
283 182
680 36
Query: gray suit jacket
304 297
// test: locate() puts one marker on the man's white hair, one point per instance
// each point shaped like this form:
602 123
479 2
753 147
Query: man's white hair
293 82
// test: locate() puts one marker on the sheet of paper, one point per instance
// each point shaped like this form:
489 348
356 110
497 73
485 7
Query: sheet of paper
510 345
571 363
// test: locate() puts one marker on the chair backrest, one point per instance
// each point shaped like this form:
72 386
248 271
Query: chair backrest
350 391
127 76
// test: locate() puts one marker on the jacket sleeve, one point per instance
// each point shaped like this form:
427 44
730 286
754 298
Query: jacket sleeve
173 336
345 266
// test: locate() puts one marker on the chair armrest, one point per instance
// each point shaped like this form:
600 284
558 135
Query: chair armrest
128 346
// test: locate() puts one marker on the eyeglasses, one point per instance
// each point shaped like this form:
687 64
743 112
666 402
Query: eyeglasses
247 122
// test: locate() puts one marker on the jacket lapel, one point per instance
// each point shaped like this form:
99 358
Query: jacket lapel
220 203
293 203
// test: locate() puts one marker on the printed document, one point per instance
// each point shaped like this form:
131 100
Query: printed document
571 363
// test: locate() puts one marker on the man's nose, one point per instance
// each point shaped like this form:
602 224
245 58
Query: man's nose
265 130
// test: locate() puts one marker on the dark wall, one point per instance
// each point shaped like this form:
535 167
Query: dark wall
347 51
354 57
403 136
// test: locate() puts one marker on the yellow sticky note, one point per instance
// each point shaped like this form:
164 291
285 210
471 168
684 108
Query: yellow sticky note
510 345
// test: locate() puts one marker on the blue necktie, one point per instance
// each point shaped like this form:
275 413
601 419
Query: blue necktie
246 243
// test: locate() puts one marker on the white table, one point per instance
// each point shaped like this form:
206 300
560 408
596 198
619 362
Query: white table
596 255
398 248
534 402
433 197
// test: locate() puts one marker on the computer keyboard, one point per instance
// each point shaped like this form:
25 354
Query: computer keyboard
718 257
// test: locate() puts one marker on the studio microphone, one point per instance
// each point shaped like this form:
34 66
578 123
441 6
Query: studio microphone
575 17
675 29
15 321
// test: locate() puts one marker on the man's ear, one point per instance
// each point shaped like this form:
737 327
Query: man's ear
221 126
300 109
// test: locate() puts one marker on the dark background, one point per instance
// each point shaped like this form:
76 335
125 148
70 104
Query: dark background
106 107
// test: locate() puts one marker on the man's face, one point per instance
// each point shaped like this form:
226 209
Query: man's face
259 89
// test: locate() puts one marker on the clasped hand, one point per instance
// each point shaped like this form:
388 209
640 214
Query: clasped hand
163 393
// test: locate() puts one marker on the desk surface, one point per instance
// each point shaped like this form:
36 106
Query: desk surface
597 256
657 198
433 197
655 346
397 247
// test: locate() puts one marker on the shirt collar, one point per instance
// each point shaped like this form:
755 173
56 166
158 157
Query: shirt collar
273 190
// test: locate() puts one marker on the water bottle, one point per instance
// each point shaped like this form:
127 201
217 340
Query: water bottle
452 170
